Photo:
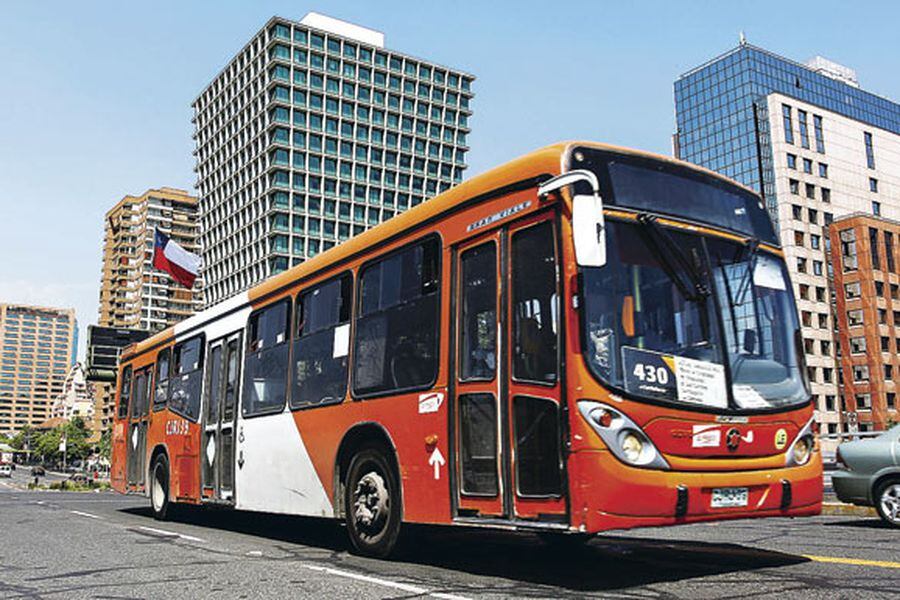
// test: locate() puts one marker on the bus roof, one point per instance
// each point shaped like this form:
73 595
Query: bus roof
544 161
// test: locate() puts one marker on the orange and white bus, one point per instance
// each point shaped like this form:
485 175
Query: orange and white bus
586 338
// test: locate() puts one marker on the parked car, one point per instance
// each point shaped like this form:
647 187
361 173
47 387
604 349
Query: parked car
5 471
38 471
869 474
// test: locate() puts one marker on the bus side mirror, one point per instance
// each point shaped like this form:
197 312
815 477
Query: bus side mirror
588 232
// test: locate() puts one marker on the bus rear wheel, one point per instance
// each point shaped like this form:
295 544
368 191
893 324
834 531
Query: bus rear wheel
159 488
372 503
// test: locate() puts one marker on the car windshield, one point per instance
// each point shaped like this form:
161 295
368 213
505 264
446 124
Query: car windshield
670 310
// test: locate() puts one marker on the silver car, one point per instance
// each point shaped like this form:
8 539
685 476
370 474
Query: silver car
869 474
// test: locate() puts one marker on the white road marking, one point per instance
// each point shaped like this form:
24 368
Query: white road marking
412 589
172 534
85 514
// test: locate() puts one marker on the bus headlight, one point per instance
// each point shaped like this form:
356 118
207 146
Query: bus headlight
632 447
621 435
803 447
802 450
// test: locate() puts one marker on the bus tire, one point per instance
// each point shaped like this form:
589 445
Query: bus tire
372 503
159 488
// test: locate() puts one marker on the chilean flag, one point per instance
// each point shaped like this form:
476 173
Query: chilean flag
168 256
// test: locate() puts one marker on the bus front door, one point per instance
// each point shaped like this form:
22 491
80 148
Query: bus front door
507 414
139 416
220 401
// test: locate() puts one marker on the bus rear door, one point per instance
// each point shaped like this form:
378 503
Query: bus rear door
220 402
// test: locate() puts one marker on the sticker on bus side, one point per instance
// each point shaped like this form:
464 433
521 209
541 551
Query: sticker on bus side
506 212
668 377
430 403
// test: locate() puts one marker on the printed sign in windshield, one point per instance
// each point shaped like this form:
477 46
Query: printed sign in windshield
667 377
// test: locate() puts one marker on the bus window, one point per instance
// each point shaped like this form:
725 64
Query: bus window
537 446
139 397
125 393
162 379
396 328
534 304
322 343
187 378
478 436
266 362
478 346
231 379
213 384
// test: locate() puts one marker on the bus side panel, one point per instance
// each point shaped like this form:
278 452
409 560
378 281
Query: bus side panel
117 457
425 485
274 470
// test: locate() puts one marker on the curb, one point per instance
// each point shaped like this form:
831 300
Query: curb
839 508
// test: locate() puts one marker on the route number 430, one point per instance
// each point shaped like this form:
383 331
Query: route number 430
651 374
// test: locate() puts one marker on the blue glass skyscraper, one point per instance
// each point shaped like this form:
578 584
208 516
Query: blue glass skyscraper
720 110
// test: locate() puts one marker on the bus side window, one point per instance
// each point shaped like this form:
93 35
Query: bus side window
266 360
321 345
396 328
125 393
187 378
162 379
232 354
534 304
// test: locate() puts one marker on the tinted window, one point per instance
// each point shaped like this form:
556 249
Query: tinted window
139 398
661 187
478 328
396 330
534 304
187 378
162 379
537 447
125 393
232 363
478 444
322 343
214 384
266 361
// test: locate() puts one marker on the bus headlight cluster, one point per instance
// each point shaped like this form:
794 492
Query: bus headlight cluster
621 435
802 450
803 447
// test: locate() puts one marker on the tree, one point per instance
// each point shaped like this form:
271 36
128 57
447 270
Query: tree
104 446
23 439
76 435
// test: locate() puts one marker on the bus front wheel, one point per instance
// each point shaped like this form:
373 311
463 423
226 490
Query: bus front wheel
372 503
159 488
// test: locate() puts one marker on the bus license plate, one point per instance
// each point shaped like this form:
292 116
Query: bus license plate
729 497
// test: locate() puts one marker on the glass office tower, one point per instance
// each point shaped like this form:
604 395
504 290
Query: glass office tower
720 109
313 133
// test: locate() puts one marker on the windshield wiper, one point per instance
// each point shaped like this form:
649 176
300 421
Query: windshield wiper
673 259
752 247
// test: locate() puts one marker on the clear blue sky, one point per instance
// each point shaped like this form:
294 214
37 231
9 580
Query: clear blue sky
95 96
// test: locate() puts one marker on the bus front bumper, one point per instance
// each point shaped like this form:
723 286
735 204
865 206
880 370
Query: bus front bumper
606 494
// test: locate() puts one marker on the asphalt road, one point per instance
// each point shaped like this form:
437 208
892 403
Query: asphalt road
102 545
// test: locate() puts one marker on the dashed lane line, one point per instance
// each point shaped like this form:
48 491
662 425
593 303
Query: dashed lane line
85 514
405 587
859 562
172 534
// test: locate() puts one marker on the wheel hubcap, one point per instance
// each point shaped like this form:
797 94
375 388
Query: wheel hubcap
371 503
890 503
157 493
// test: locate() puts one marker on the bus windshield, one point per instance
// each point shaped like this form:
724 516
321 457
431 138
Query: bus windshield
690 319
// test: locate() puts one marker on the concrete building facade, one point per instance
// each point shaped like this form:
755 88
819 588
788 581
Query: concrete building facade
133 294
76 398
864 253
313 133
36 349
804 136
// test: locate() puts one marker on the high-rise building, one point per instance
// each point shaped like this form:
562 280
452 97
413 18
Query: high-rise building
817 146
103 347
133 294
864 252
313 133
37 346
